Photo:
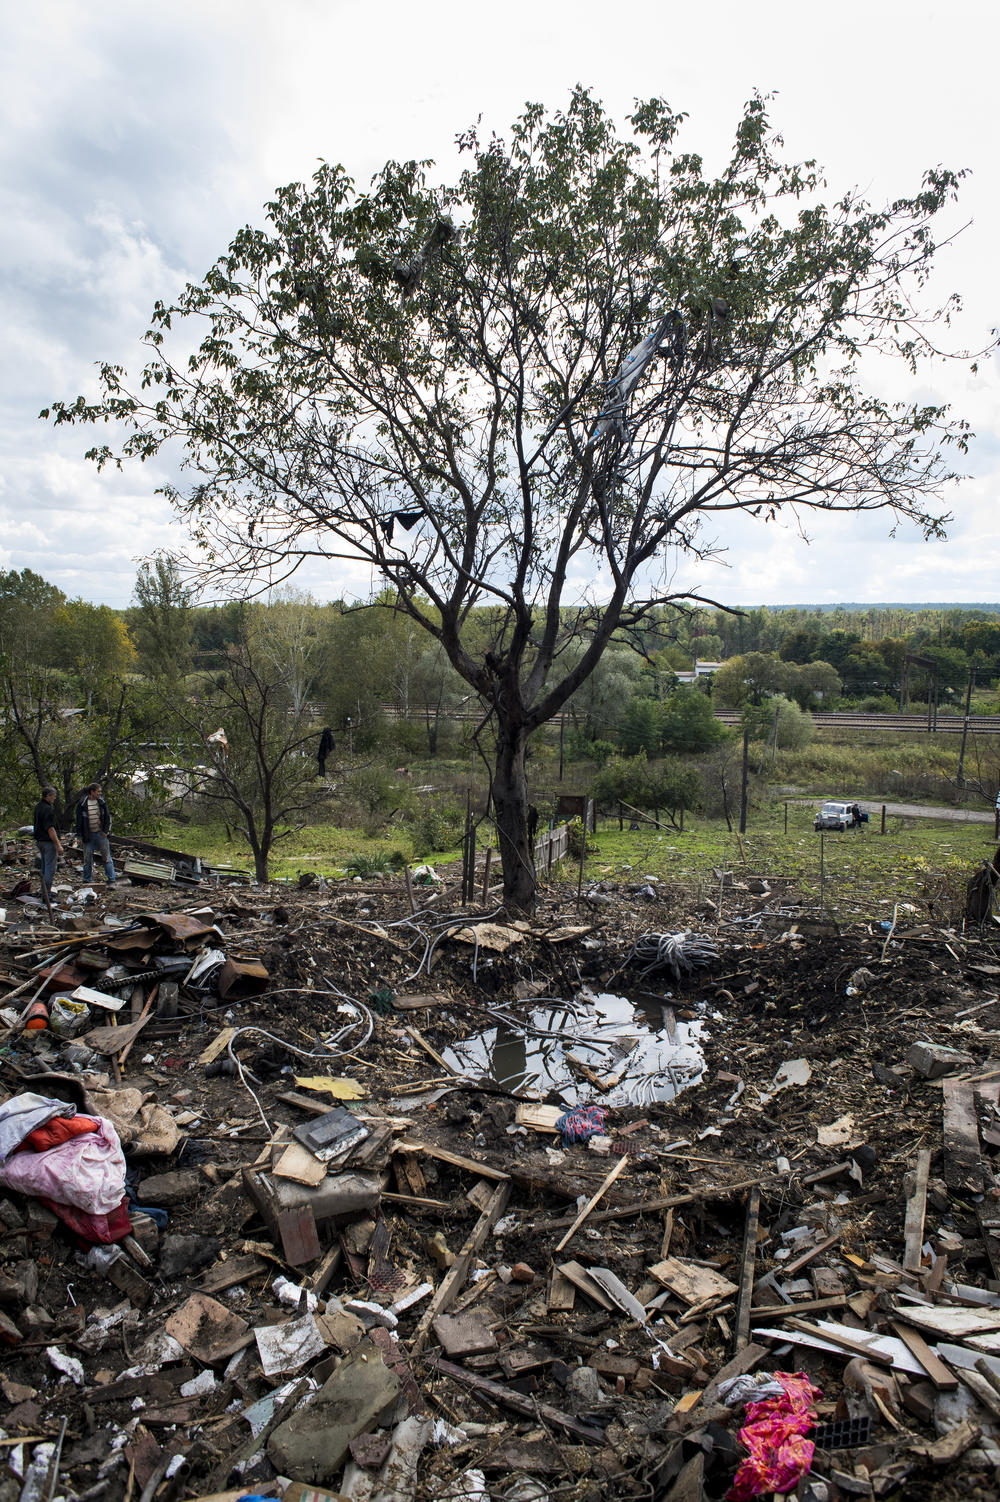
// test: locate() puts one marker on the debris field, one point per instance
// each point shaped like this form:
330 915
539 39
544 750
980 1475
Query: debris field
360 1193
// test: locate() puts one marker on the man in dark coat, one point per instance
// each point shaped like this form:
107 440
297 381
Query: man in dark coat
47 839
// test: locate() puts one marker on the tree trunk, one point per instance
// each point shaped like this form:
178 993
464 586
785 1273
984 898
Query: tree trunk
510 805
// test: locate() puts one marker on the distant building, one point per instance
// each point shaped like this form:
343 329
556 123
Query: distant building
702 669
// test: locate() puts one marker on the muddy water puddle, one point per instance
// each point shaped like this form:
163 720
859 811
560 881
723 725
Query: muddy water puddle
601 1047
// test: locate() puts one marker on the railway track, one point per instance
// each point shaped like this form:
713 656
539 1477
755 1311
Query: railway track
907 724
911 724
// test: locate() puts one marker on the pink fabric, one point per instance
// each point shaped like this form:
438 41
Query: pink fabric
87 1172
774 1433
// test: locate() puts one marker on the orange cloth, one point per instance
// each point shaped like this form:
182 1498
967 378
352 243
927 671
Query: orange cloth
57 1131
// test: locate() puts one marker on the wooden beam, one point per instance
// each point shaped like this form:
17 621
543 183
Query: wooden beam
451 1283
594 1200
529 1407
745 1296
651 1206
472 1165
942 1376
916 1210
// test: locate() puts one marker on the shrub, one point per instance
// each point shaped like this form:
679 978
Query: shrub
436 826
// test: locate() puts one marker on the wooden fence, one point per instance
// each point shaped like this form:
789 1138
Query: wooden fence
551 846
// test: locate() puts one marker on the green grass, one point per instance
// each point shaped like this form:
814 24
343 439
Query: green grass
323 848
917 861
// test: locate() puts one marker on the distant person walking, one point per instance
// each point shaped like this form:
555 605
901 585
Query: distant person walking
93 825
326 745
47 838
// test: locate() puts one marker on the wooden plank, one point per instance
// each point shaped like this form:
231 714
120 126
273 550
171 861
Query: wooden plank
804 1258
431 1052
745 1297
770 1314
416 1201
744 1361
562 1293
456 1160
581 1279
234 1270
529 1407
538 1118
651 1206
594 1200
217 1046
299 1165
942 1376
111 1040
963 1169
916 1211
451 1283
845 1342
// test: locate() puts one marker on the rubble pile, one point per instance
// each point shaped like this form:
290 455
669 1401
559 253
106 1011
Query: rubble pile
264 1230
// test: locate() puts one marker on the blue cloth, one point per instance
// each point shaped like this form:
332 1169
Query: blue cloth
98 842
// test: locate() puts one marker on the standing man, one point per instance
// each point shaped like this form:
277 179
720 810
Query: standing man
48 841
93 825
326 745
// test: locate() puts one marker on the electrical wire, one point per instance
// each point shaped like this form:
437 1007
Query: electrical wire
330 1051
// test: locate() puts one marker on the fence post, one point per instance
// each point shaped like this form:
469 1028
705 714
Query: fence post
621 822
786 816
883 818
682 818
822 874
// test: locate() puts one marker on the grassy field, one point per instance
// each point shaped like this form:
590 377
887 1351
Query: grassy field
921 862
323 848
918 861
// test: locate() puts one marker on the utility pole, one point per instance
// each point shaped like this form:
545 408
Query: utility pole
746 779
965 726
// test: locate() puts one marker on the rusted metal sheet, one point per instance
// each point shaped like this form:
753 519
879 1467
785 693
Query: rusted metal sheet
242 977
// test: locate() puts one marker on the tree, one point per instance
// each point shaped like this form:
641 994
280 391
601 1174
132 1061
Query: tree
750 679
521 388
598 701
258 775
162 621
285 634
687 721
630 780
92 644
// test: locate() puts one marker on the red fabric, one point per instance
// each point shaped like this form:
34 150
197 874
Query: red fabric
775 1436
93 1228
57 1131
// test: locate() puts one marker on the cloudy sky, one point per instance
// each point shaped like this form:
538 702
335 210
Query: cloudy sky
137 137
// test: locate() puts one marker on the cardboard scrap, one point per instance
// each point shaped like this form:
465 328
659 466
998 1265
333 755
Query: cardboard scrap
207 1330
340 1089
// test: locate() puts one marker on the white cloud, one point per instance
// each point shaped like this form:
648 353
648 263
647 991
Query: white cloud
136 140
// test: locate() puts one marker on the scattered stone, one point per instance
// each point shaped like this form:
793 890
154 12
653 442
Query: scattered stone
932 1060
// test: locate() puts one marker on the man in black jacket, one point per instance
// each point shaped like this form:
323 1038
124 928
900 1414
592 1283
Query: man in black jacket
47 839
93 825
